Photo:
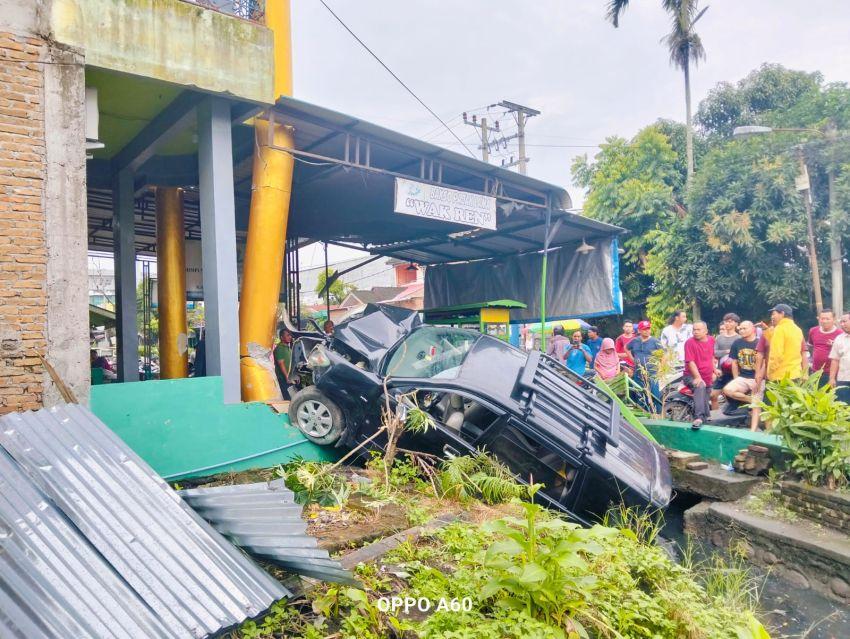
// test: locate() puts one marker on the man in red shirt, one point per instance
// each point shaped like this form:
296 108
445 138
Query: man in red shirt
820 341
700 368
622 342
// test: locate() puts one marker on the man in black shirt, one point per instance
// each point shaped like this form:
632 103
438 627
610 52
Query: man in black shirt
743 356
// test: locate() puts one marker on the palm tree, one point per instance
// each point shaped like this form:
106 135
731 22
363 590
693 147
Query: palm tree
685 48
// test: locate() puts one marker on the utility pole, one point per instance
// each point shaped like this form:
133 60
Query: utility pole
836 258
521 114
484 133
804 186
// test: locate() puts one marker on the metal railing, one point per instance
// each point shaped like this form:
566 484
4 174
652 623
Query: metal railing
254 10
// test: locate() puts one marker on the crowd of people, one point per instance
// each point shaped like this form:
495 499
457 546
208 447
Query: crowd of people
735 363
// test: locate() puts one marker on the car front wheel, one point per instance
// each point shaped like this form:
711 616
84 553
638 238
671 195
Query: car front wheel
318 417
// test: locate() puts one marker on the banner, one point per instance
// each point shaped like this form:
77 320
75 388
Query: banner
194 271
435 202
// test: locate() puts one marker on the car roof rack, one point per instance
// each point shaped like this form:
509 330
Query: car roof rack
547 386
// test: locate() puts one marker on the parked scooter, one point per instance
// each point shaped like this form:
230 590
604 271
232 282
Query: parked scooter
679 407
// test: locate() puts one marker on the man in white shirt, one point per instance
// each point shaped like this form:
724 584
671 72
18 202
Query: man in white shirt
839 364
676 333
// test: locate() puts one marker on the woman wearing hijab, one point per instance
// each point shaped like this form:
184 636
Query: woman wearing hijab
607 362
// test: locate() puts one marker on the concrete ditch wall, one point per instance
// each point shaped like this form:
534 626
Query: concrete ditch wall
800 552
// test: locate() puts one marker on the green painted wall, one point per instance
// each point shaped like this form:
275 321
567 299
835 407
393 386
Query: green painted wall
182 428
170 40
714 442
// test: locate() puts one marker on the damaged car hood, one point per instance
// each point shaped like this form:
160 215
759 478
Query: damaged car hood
377 330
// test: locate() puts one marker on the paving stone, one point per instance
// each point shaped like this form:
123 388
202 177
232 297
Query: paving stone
681 459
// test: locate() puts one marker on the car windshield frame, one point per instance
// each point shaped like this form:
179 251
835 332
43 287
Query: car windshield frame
429 358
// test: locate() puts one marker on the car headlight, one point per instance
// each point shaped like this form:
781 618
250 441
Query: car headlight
318 358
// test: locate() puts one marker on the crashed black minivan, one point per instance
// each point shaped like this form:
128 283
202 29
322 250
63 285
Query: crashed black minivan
526 409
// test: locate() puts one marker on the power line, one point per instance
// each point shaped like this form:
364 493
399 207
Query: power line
551 146
398 79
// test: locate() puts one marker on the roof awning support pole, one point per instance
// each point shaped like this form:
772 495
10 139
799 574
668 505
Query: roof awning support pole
124 252
327 285
547 240
545 263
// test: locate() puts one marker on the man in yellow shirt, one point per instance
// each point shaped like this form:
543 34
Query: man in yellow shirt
785 359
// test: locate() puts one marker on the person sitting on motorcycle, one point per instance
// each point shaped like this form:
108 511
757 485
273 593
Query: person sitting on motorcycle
700 367
743 357
722 345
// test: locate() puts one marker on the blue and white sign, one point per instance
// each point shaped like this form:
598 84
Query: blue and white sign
435 202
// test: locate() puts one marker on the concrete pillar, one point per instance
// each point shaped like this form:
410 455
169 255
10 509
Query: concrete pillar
124 251
218 244
65 224
264 252
171 284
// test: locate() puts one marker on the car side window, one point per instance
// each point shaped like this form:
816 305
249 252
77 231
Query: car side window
462 414
534 461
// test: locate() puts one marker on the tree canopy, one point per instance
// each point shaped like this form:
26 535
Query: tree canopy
339 290
737 239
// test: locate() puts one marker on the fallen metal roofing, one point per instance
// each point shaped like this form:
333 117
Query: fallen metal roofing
192 579
52 582
264 519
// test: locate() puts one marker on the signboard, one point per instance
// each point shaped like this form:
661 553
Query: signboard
435 202
194 271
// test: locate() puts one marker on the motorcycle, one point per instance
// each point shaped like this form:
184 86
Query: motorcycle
680 408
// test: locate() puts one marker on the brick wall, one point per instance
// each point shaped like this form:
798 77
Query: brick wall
23 251
828 507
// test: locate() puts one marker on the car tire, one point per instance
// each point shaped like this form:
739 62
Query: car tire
317 417
679 412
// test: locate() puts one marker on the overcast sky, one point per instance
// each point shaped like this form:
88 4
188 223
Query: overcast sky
589 80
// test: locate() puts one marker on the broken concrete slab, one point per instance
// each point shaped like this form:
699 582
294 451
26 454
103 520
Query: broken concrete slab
714 482
680 458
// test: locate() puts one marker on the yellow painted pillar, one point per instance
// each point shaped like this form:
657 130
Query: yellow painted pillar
279 21
171 283
264 253
265 246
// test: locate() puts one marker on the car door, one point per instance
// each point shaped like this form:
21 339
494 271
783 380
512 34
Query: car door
443 440
535 459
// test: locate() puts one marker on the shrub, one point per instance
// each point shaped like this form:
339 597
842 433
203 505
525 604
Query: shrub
478 476
815 427
315 483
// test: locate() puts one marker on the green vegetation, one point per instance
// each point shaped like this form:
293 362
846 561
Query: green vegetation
685 48
815 427
478 476
742 221
315 482
533 575
524 571
338 291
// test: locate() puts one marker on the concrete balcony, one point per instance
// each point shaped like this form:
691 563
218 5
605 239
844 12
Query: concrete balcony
212 45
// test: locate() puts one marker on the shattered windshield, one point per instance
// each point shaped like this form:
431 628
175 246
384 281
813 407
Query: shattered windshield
432 351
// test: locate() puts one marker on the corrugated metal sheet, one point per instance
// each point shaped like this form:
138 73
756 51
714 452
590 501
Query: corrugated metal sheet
52 582
264 519
192 578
